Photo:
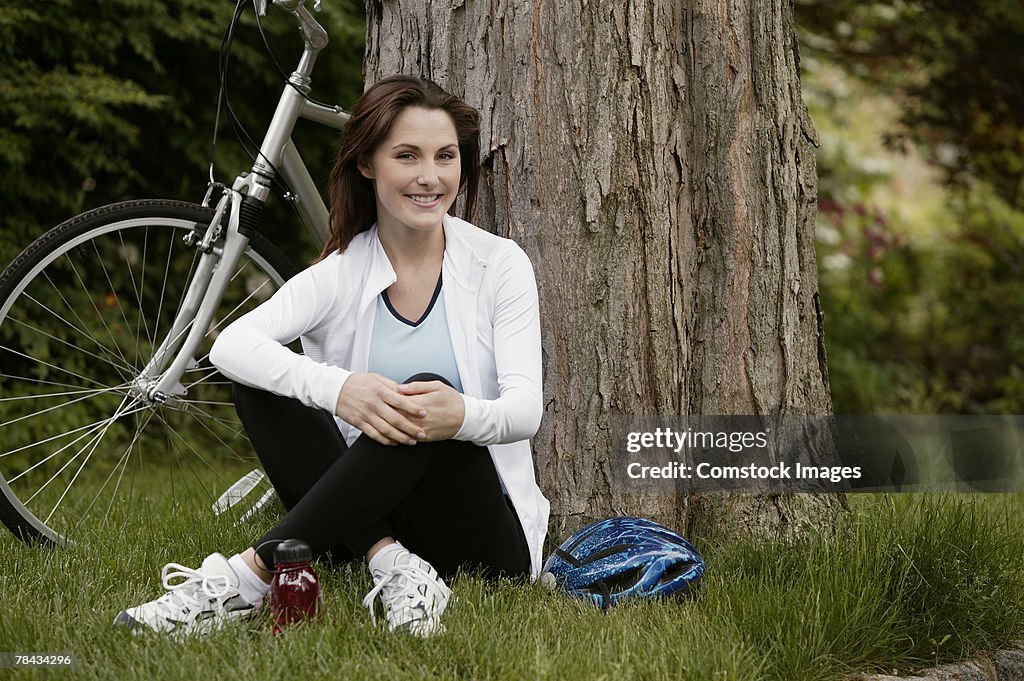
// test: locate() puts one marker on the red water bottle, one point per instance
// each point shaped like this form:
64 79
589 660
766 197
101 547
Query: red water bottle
295 590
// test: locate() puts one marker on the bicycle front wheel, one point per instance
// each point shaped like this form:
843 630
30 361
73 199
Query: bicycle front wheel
82 310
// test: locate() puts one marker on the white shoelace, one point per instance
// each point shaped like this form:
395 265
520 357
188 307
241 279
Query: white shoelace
194 581
396 597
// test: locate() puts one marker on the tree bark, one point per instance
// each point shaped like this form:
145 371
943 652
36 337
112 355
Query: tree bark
656 161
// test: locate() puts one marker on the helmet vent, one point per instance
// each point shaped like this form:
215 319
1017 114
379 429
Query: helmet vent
617 583
675 571
604 553
582 538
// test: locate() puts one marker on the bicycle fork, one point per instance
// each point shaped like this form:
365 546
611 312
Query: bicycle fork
242 204
155 384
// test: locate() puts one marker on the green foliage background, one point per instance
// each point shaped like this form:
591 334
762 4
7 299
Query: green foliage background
107 100
920 108
112 99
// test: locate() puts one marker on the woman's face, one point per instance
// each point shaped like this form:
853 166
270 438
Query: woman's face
416 170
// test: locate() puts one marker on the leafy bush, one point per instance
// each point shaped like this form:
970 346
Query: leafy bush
926 324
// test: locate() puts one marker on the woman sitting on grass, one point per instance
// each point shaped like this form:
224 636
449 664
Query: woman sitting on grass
401 435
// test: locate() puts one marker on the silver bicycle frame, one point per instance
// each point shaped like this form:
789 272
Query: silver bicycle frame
277 153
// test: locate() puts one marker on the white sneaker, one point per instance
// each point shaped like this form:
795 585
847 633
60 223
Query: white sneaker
206 600
413 594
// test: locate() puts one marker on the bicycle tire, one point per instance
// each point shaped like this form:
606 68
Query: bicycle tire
81 310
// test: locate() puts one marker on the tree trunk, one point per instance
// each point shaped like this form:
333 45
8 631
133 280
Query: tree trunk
656 161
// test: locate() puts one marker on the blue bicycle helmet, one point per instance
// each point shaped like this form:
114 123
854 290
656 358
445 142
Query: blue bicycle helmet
619 558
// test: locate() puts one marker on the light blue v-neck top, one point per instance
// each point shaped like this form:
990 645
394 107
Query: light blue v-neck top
400 348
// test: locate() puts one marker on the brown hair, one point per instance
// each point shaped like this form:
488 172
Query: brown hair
353 205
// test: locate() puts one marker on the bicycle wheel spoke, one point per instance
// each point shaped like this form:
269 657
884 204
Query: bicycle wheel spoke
184 290
95 443
201 379
214 402
99 314
231 424
191 406
249 297
56 437
119 369
62 405
175 433
39 395
37 380
113 289
48 364
199 418
121 464
209 382
101 429
118 468
142 291
163 288
182 475
220 321
126 252
92 428
63 320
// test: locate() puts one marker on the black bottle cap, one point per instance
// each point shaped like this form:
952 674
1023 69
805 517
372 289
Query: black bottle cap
292 551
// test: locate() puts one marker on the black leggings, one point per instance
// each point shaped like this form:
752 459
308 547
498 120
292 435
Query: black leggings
442 500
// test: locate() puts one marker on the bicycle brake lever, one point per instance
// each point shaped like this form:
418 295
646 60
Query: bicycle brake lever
261 7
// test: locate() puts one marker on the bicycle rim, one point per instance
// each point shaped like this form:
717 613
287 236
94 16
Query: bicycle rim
81 312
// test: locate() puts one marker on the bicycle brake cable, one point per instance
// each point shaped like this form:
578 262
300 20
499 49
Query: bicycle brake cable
224 102
222 68
280 69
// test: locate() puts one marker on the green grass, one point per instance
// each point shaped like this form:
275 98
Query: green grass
905 582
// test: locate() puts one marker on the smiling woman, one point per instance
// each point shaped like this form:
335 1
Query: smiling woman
414 185
406 421
389 115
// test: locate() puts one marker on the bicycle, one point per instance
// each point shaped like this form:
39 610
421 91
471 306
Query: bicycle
106 322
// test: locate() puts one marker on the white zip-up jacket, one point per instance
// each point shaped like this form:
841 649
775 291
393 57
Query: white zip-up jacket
490 296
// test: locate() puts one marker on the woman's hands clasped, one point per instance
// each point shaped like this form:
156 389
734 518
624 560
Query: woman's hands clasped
391 414
445 409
